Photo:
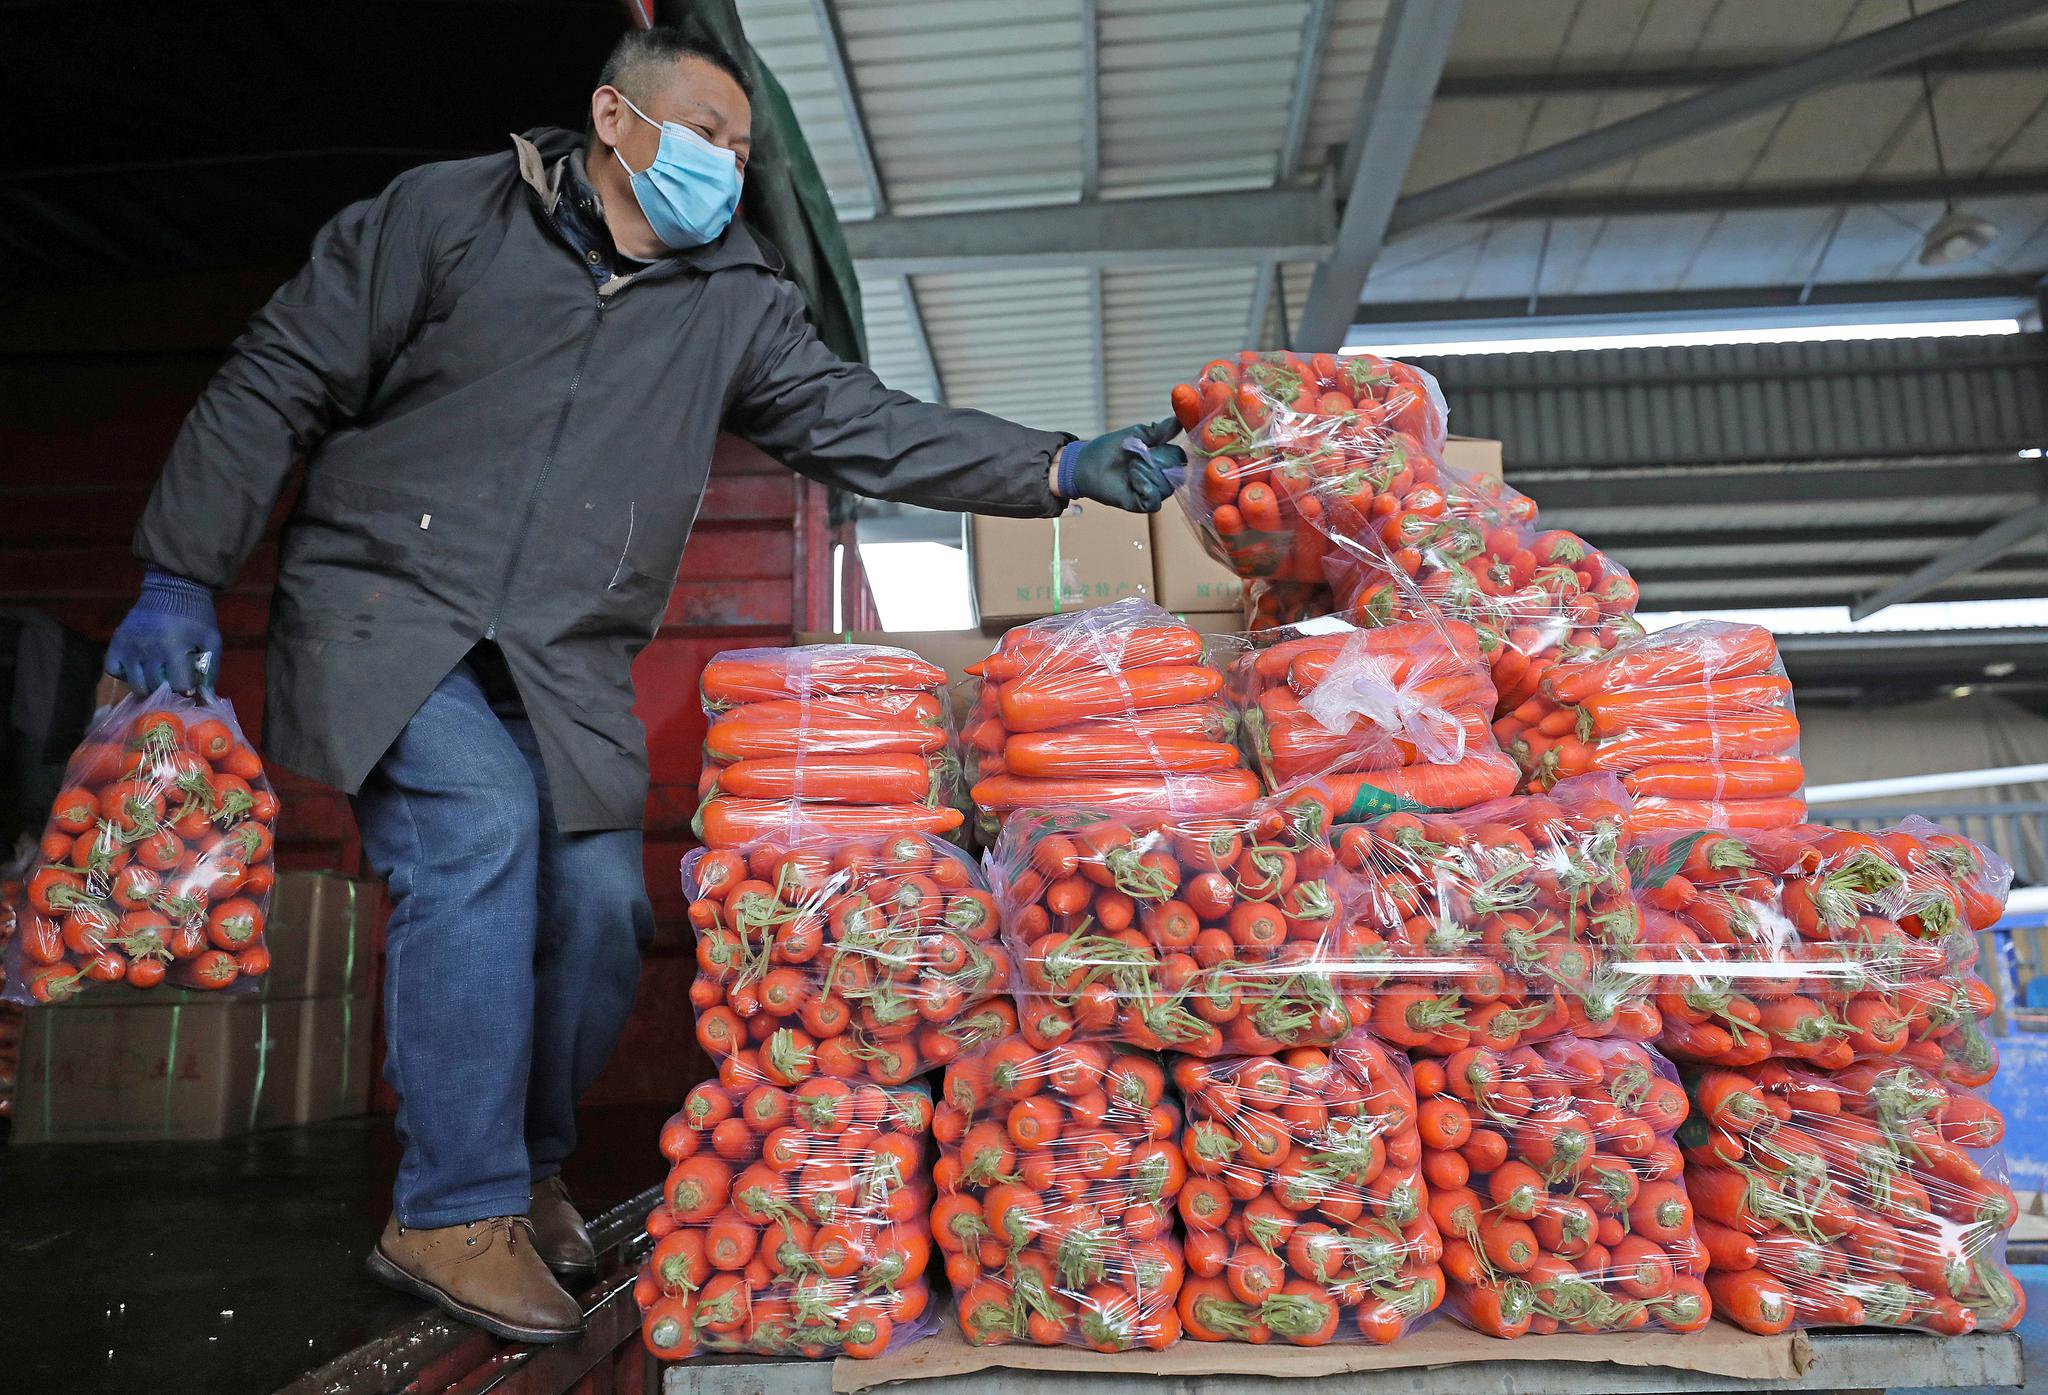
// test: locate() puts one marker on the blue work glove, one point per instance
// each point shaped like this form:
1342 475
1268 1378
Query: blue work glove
1126 469
169 637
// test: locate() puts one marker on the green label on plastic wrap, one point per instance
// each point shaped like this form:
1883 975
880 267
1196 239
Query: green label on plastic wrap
1371 802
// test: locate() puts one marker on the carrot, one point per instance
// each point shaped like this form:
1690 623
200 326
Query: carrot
847 779
748 676
1716 780
1612 713
853 709
1479 777
1752 1300
1182 794
738 738
1024 652
1743 737
1736 651
1046 754
730 822
1038 703
1659 815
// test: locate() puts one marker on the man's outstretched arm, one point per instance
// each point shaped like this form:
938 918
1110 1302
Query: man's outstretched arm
835 422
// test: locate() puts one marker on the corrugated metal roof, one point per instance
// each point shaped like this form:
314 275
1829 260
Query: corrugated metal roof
978 104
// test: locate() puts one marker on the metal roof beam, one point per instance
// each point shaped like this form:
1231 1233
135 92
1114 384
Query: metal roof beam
1875 52
1373 314
1939 480
1414 40
1593 82
1973 556
1277 224
1315 28
1651 203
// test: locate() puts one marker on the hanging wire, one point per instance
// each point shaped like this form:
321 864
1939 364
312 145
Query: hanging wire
1948 198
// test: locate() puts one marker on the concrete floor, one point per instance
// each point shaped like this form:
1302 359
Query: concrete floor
224 1268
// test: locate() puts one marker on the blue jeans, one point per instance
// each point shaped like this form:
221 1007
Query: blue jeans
511 956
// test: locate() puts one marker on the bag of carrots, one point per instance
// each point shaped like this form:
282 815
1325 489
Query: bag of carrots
1874 1195
1822 945
1217 935
155 866
1275 433
1121 706
793 1222
1468 547
1498 925
848 958
1559 1189
1057 1176
1696 721
1306 1216
1382 719
850 739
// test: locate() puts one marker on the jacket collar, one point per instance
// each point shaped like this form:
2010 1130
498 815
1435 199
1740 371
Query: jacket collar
544 156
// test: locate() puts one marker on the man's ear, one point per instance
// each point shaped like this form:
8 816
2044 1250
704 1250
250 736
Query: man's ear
608 114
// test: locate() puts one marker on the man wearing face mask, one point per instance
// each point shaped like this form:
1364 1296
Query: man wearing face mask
505 376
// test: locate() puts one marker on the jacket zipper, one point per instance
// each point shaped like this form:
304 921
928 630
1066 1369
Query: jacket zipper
547 463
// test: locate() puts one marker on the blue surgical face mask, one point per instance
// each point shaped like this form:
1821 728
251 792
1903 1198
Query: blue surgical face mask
690 191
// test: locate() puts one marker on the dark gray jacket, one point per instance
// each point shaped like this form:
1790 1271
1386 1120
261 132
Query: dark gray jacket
499 448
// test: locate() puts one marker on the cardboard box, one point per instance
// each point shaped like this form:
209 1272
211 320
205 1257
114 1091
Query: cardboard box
1098 554
329 1064
1473 454
318 934
203 1070
1184 576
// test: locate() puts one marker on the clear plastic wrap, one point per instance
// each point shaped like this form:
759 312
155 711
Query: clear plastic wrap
1500 924
871 958
1696 720
1203 935
1384 719
1873 1195
792 1222
1120 706
1559 1188
155 866
1821 945
1306 1216
844 738
1057 1177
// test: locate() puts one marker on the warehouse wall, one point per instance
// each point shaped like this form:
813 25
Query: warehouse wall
95 384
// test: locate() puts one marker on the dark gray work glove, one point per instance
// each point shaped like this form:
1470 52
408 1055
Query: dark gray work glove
1133 468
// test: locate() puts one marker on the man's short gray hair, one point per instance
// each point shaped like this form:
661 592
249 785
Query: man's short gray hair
643 61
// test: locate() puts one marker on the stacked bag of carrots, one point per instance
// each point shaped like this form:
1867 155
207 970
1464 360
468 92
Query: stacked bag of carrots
1819 984
1558 1186
1377 719
1306 1215
1499 925
843 958
792 1222
847 738
1203 934
1120 705
1058 1176
1696 720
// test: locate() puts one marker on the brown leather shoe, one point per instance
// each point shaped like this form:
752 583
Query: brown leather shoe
558 1232
487 1273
